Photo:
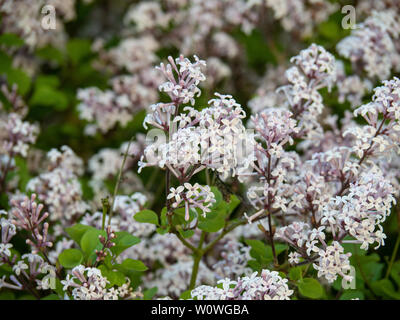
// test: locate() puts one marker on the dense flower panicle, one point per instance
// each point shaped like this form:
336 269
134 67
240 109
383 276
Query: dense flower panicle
89 284
213 137
268 286
135 54
59 188
129 93
182 88
333 262
147 16
27 215
316 63
373 44
380 135
275 127
298 16
315 69
193 196
7 231
25 19
31 267
104 109
361 212
19 135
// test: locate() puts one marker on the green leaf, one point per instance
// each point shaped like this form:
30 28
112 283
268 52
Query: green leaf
218 196
70 258
279 248
20 78
233 203
132 265
185 295
149 293
384 288
212 225
77 231
146 216
50 53
310 288
90 241
295 273
162 230
352 294
5 62
395 273
23 172
7 295
163 217
47 80
11 40
123 241
186 233
254 265
78 49
260 251
116 278
47 96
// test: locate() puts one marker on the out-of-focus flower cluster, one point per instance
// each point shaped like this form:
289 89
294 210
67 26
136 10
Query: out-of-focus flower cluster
268 286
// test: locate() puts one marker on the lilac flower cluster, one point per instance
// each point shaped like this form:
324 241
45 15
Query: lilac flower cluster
373 45
268 286
88 284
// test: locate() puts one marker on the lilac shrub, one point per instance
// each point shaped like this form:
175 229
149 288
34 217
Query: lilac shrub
211 192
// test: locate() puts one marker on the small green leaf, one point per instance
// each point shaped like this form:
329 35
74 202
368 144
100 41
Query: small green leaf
146 216
132 265
384 288
259 251
78 49
77 231
233 203
310 288
116 278
149 293
395 273
352 294
295 273
162 230
212 225
185 295
254 265
48 96
11 40
50 53
123 241
218 196
5 62
70 258
186 233
90 241
20 78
